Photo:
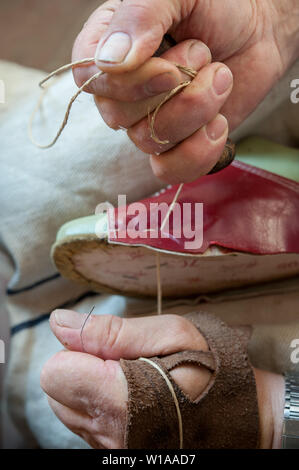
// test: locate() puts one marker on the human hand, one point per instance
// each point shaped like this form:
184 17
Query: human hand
256 42
88 390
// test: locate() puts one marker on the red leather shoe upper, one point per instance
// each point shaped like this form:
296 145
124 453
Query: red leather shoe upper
245 209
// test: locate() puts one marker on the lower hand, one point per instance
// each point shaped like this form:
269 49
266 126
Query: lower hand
88 390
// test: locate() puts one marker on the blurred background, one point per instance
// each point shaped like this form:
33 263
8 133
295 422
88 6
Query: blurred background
39 34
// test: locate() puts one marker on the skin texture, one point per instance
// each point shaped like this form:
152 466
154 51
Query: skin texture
258 40
93 404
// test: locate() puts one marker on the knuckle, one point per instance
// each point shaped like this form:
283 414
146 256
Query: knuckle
111 121
201 100
110 115
114 88
139 135
80 77
180 329
113 331
203 103
139 11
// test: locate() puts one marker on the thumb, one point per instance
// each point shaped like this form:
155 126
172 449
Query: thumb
112 337
135 33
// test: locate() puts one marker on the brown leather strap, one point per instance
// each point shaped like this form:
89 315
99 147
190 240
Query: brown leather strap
226 413
200 358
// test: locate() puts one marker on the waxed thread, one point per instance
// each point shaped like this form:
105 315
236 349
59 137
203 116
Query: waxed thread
82 328
187 71
64 68
159 284
158 263
171 389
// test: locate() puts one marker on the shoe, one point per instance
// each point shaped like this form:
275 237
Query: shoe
250 233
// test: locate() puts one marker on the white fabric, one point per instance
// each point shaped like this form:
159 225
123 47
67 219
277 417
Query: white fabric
42 189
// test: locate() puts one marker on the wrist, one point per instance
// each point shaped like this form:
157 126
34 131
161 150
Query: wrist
270 393
286 30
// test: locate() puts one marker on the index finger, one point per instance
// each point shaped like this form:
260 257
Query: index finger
87 40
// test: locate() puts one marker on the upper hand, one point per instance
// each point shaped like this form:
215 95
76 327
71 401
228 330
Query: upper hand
244 40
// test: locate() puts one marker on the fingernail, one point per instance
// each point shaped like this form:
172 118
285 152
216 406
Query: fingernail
115 49
198 55
216 128
160 83
222 80
69 319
